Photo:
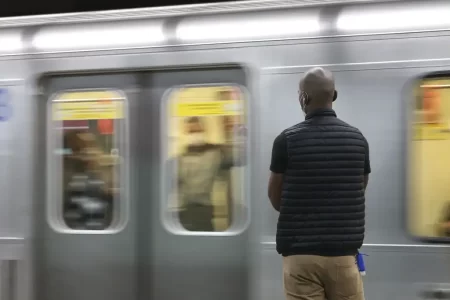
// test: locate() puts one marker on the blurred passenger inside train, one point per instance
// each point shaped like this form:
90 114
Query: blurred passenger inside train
197 168
88 182
235 137
228 121
319 172
233 125
431 109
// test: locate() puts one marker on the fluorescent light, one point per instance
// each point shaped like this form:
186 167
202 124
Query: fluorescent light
245 27
390 18
10 42
99 36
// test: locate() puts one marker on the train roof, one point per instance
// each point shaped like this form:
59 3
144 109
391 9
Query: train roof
172 11
246 21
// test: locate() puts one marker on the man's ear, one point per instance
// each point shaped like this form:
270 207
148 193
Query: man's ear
335 95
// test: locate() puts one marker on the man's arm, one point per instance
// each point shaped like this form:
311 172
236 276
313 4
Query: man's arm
367 168
278 166
233 156
174 174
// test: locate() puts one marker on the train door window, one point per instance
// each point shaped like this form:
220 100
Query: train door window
206 155
86 142
429 176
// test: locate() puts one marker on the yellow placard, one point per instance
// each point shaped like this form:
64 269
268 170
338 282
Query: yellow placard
88 106
208 108
215 105
430 132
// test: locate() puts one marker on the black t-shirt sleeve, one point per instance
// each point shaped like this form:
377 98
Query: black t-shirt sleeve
279 159
367 168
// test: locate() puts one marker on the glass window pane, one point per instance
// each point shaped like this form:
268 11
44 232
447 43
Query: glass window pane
87 145
207 139
429 176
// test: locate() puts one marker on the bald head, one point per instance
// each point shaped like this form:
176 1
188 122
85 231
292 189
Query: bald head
318 83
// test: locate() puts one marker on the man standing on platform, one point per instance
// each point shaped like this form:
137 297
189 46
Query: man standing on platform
319 173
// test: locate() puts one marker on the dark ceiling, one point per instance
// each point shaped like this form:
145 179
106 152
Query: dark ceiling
26 7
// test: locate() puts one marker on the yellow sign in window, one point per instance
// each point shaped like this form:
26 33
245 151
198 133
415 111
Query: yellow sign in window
208 108
88 106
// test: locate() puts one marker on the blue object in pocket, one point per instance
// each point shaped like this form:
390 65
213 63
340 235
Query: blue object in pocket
360 263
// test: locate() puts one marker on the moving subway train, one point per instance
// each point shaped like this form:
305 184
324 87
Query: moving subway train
98 113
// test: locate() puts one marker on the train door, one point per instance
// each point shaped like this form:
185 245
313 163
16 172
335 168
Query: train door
123 211
85 230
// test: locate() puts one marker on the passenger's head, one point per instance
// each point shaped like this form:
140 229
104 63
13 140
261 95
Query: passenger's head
195 131
430 94
225 95
317 90
228 121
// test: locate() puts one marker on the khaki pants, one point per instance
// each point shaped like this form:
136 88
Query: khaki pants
311 277
197 217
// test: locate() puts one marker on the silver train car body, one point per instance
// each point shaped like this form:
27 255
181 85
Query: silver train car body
374 49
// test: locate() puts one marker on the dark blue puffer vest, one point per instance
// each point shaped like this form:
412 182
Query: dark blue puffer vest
323 205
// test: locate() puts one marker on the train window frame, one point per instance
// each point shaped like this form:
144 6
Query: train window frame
173 225
414 84
53 209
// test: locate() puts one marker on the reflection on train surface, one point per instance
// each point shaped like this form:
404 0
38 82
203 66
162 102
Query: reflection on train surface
135 145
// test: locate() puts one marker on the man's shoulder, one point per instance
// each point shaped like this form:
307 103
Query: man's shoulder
348 126
355 130
294 129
